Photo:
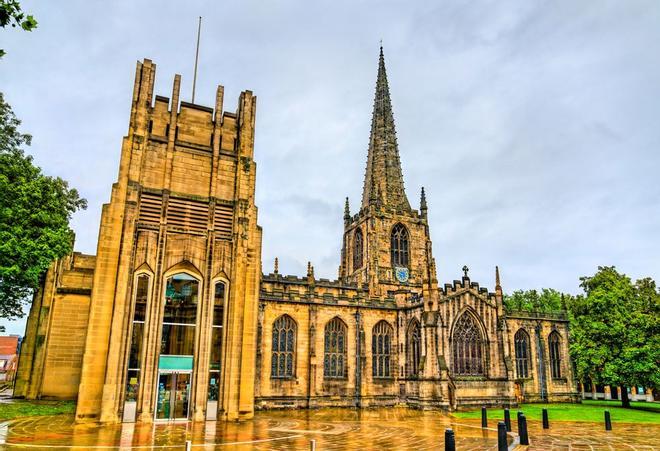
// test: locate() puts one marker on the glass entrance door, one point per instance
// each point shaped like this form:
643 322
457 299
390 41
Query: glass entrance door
173 396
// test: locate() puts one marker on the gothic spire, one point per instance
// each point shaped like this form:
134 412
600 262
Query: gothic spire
383 172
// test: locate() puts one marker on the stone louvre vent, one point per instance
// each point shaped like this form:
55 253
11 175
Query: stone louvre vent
150 207
188 214
223 219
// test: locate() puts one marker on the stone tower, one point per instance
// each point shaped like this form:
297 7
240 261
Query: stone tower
387 245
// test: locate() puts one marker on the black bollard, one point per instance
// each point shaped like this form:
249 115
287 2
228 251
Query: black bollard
522 429
519 415
507 420
608 421
546 423
502 445
484 417
450 441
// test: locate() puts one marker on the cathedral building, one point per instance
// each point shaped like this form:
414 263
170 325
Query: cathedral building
173 319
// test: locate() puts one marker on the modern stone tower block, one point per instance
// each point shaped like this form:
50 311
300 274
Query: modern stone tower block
183 202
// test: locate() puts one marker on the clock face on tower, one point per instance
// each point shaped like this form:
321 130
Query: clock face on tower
401 274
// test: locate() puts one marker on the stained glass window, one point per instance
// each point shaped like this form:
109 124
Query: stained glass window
380 349
284 347
399 246
413 348
334 359
521 342
554 342
468 347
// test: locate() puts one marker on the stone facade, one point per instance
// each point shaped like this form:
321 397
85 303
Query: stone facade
173 319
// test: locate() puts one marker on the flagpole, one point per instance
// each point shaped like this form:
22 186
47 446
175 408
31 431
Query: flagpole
199 29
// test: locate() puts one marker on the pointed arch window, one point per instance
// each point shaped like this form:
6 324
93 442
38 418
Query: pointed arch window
180 315
358 248
399 246
413 348
467 347
215 364
283 362
554 345
334 358
381 349
521 343
141 290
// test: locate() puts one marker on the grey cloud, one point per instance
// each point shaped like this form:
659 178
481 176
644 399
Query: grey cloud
532 125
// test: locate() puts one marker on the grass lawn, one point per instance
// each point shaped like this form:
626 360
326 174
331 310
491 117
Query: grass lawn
641 412
20 408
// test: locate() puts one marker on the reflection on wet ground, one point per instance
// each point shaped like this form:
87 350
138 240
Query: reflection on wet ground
377 429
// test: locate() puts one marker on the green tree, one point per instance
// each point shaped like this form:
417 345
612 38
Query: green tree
614 331
548 300
35 210
12 15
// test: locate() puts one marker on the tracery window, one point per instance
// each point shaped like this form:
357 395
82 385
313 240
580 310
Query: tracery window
399 246
467 347
334 358
283 362
521 344
358 246
413 348
554 342
381 348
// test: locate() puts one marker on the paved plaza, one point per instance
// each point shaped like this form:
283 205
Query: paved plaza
334 429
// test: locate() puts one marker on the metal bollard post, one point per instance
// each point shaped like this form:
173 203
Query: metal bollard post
519 415
312 445
502 445
522 429
484 417
546 423
188 445
608 421
450 441
507 420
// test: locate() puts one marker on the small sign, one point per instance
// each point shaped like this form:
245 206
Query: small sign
133 381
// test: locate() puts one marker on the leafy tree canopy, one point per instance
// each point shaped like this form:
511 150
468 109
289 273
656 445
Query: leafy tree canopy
547 300
615 330
12 15
35 210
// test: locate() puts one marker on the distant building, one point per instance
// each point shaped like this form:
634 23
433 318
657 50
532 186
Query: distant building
173 318
9 349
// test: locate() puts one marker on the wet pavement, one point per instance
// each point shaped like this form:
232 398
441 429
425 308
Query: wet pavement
333 429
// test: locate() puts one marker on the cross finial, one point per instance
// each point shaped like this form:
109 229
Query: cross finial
277 265
465 270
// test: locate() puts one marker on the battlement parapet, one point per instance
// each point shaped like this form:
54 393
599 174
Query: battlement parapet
463 284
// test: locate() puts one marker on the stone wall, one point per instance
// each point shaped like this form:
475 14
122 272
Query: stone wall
540 385
51 354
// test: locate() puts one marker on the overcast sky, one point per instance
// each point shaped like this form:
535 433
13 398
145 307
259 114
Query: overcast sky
533 125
